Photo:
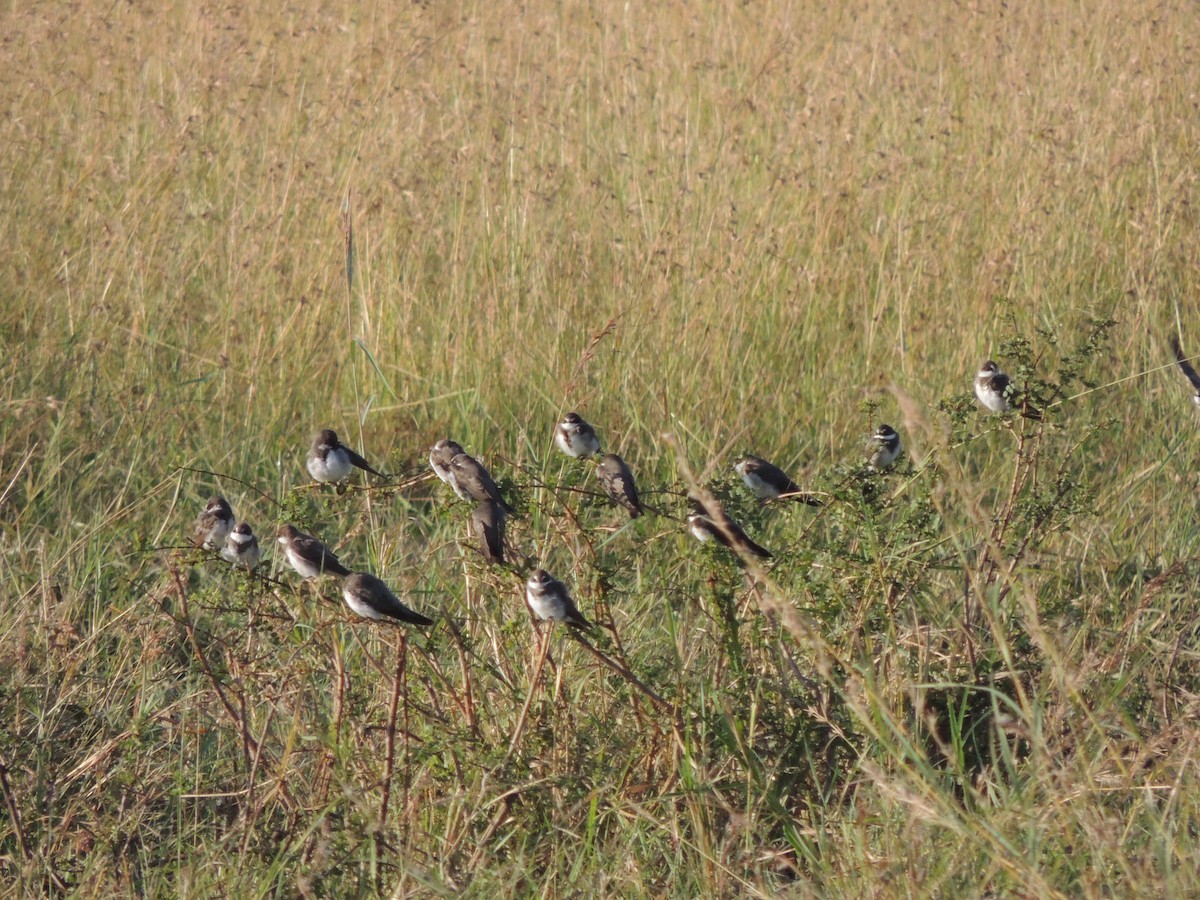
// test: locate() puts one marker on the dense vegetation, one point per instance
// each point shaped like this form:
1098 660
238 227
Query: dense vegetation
712 229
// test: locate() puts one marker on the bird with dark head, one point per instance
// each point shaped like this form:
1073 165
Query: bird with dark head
214 524
439 460
575 437
487 521
549 600
617 481
769 482
241 548
995 390
307 555
885 447
472 481
371 598
329 460
713 524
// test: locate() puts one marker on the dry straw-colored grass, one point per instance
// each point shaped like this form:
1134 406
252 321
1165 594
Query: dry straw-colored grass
711 227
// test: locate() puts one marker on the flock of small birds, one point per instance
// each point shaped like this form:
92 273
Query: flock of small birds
329 461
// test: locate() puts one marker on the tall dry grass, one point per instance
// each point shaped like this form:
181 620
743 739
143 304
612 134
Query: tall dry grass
728 224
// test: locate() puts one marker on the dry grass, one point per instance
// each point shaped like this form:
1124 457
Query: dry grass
732 224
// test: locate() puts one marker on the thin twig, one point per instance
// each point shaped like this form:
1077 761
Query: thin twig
250 747
533 683
224 477
469 707
10 801
659 702
14 814
393 707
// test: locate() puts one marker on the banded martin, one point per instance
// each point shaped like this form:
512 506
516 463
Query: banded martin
214 524
330 460
618 483
439 460
487 521
550 602
472 481
769 482
575 437
307 555
714 525
885 447
995 391
241 548
372 599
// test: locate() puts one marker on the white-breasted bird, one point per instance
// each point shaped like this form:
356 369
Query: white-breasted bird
994 389
307 555
241 548
885 447
214 524
371 598
550 601
575 437
769 482
330 460
439 460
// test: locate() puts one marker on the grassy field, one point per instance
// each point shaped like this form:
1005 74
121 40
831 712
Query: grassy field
712 229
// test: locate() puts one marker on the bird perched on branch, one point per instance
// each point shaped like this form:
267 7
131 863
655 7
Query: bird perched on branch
372 599
995 390
885 447
472 481
241 548
439 460
618 483
307 555
214 524
769 482
330 460
575 437
487 520
708 525
550 602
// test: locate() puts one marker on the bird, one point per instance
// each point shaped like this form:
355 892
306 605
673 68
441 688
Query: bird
1188 371
372 599
885 447
769 482
330 460
487 520
995 391
472 481
618 483
439 460
241 548
307 555
714 525
214 524
575 437
549 600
